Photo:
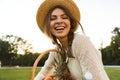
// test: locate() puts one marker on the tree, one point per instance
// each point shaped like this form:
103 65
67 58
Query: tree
111 54
29 59
18 44
107 56
6 56
10 46
115 44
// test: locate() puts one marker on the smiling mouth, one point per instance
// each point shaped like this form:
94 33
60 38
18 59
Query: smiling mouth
59 28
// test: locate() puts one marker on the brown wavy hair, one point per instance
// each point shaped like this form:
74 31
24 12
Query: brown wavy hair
74 24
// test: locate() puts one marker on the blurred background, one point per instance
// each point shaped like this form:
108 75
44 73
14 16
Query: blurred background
21 37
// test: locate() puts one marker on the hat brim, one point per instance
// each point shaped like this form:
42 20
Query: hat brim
48 4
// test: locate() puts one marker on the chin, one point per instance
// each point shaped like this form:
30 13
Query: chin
60 35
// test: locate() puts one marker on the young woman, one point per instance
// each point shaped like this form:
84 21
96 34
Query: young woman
77 58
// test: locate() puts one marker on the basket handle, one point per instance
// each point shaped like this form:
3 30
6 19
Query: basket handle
38 59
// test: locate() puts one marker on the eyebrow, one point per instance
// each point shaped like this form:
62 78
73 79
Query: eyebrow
60 15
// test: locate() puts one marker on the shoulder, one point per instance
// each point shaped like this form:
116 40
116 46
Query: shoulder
82 41
79 38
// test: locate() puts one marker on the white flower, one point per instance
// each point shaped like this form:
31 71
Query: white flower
88 76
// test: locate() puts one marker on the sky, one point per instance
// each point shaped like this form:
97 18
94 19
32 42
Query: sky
98 18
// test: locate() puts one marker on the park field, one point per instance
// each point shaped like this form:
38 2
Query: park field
25 73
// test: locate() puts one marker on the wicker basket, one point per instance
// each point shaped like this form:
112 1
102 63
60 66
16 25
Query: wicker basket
38 59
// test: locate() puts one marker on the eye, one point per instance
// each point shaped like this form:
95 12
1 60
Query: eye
65 16
52 18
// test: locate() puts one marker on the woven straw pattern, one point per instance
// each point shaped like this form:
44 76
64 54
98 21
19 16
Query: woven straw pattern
48 4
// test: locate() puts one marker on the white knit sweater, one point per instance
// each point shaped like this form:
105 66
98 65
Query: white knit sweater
87 63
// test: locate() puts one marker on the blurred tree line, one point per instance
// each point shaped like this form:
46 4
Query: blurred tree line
11 46
111 53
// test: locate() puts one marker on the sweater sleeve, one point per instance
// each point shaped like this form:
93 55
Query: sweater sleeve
47 69
89 58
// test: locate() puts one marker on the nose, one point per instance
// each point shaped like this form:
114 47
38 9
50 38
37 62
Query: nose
59 21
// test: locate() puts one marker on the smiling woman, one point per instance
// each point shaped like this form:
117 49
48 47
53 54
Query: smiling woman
21 20
60 23
75 58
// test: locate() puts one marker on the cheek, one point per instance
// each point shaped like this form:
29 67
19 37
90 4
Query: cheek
69 24
51 27
51 24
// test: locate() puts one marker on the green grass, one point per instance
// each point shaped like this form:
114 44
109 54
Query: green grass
25 73
113 73
16 73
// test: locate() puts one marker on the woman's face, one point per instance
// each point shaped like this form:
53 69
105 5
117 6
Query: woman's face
59 23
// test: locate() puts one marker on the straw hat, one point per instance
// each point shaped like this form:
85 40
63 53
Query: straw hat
48 4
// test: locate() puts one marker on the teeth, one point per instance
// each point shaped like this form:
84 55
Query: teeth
59 28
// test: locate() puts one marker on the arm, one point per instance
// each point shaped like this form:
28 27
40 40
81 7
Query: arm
89 58
47 68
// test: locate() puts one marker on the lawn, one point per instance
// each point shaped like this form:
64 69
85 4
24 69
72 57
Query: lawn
25 73
113 73
16 73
